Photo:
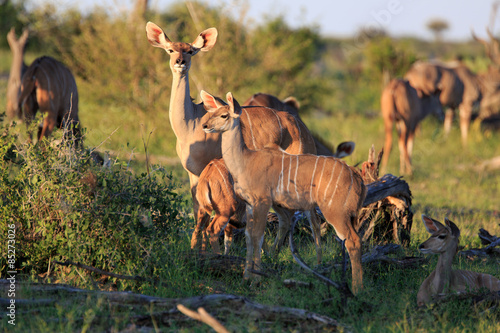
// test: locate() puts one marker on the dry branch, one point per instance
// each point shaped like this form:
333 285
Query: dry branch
166 311
203 316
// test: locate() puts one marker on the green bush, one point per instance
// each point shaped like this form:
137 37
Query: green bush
67 207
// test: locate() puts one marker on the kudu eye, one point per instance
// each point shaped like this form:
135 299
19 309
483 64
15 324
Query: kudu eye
224 116
442 236
170 51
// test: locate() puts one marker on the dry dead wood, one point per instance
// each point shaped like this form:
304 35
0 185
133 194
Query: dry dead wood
486 239
148 311
386 215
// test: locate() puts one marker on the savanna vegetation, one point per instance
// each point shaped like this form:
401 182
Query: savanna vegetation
134 216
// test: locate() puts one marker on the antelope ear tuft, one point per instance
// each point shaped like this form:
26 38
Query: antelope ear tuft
455 231
431 225
208 101
156 36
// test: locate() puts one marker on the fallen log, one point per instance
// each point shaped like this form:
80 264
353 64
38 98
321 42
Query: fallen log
144 312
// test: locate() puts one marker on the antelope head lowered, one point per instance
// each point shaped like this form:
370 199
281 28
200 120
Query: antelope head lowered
443 280
273 178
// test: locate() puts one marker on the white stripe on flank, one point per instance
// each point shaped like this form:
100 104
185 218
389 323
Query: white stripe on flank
279 123
321 177
289 173
331 178
295 178
312 179
336 186
280 179
222 176
251 129
350 187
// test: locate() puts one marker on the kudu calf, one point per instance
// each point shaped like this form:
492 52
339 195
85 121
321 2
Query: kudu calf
407 107
291 105
443 280
215 193
272 178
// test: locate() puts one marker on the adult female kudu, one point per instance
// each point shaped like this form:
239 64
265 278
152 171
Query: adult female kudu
46 85
270 177
444 242
407 107
291 105
264 127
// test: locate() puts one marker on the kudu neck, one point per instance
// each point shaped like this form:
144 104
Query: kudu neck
233 146
182 109
444 269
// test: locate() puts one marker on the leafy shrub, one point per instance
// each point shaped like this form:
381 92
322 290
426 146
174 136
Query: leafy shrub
67 207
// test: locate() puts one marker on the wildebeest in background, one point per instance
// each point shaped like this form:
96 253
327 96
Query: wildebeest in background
46 85
291 105
406 106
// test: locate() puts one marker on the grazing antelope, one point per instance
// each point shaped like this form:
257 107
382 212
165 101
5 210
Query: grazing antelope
264 127
407 107
50 87
291 105
272 178
443 280
215 192
439 80
46 85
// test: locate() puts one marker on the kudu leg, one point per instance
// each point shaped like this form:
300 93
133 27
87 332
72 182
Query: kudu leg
197 239
387 145
219 223
284 218
344 227
256 225
448 120
465 116
49 123
316 231
404 158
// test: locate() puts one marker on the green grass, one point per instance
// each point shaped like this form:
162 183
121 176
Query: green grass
445 183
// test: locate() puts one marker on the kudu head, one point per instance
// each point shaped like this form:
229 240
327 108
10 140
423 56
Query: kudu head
444 238
220 116
431 104
180 53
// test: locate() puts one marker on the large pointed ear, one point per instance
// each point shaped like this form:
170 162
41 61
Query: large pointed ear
454 229
206 39
345 149
210 102
234 106
156 36
431 225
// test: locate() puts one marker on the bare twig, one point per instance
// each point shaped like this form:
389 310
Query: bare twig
343 288
204 317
